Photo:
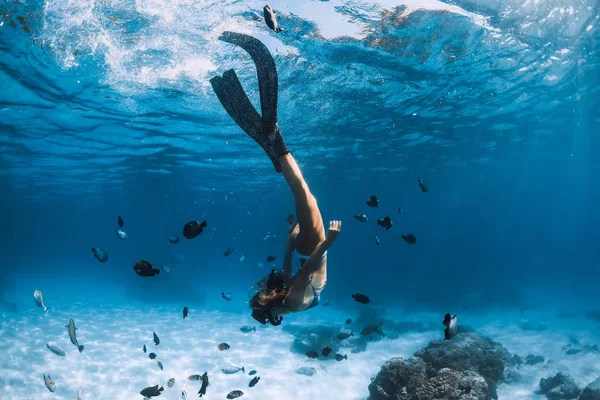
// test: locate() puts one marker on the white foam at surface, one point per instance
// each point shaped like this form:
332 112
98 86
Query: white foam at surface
113 366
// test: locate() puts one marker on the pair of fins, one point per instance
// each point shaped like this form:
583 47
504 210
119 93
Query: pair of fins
262 128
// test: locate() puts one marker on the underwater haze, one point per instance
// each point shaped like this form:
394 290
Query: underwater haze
106 110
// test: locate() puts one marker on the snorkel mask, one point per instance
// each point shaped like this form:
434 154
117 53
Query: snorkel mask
262 313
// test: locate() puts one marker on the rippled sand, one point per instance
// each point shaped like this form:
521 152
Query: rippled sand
113 365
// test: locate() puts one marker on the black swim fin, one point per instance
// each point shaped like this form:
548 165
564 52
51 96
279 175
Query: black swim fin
263 129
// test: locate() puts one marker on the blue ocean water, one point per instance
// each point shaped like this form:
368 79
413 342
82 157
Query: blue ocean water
106 110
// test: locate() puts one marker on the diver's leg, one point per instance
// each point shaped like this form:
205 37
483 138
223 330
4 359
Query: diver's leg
310 221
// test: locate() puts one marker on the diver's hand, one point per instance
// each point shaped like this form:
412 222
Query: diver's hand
334 230
276 321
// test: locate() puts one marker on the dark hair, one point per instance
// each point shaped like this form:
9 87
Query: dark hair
269 295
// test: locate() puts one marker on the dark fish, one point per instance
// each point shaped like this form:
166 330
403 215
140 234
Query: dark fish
223 346
234 394
361 218
423 185
153 391
271 258
339 357
386 223
226 296
202 390
120 221
253 372
370 329
183 394
152 356
193 229
174 239
400 210
326 351
343 336
144 268
254 381
270 19
376 240
361 298
144 348
348 321
159 365
248 329
410 239
73 336
185 312
312 354
100 254
156 339
228 252
373 201
451 324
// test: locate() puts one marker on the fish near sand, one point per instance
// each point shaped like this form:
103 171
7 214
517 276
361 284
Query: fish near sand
326 351
373 201
100 254
232 370
234 394
223 346
205 384
451 324
152 356
361 298
370 329
270 19
193 229
152 391
80 394
248 329
386 223
253 372
348 321
195 377
159 365
226 296
73 336
171 382
39 300
343 336
312 354
49 383
56 350
144 348
254 381
339 357
410 239
145 269
185 312
156 339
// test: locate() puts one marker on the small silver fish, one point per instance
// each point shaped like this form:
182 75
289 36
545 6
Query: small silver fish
195 377
49 383
121 233
376 240
171 382
248 329
39 300
243 257
80 394
72 335
232 370
56 350
165 268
